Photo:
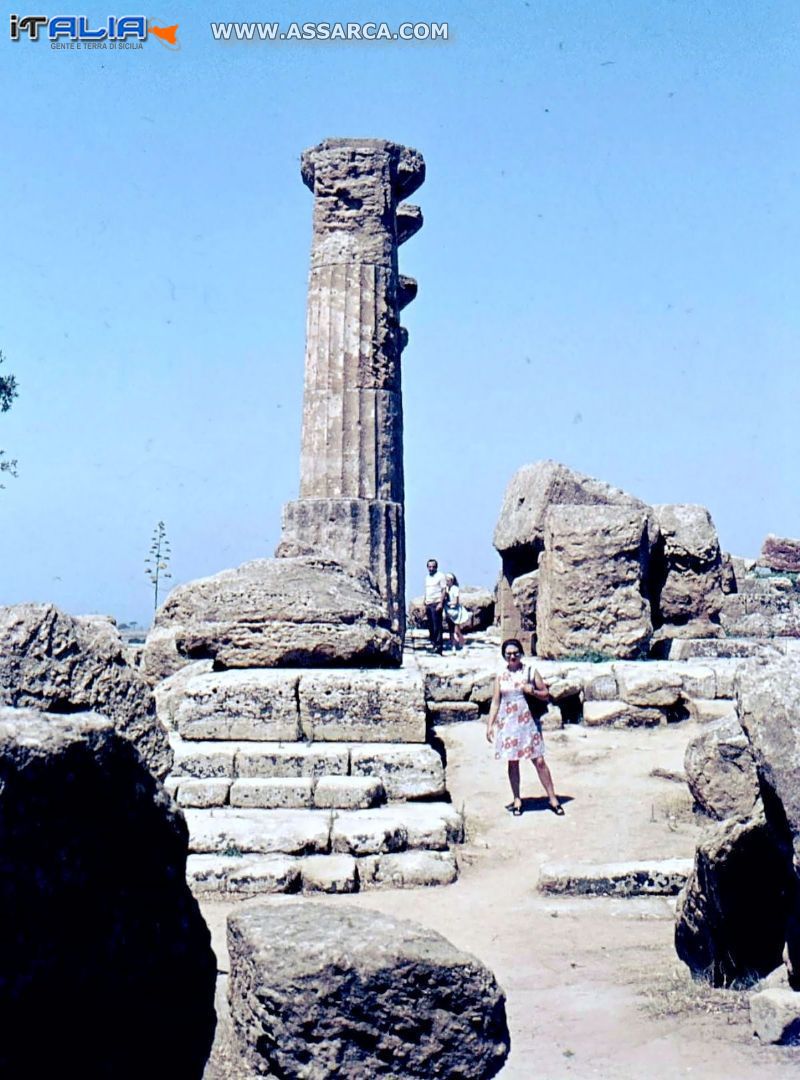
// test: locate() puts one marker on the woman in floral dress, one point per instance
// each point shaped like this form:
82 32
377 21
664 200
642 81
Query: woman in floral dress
512 728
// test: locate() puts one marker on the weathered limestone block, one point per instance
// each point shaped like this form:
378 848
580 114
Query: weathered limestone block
780 553
525 590
649 684
348 792
97 925
392 828
407 771
257 704
621 714
706 711
533 489
243 875
293 612
273 793
659 877
60 664
731 917
775 1016
721 771
281 832
601 687
449 684
201 794
591 583
768 704
168 693
322 992
329 874
205 761
688 565
407 870
363 706
294 759
452 712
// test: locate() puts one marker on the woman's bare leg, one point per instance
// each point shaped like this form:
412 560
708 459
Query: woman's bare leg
546 779
513 779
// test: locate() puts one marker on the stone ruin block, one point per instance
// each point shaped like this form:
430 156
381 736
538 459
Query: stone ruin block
106 966
781 553
686 572
323 992
591 583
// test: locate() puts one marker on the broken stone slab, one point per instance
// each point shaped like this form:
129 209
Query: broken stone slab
407 870
395 828
292 759
708 712
591 575
601 687
698 681
407 771
236 705
97 925
451 684
725 648
59 664
248 875
300 611
452 712
202 794
286 832
651 684
533 489
780 553
348 792
721 770
621 714
329 874
273 793
775 1016
332 991
688 562
362 706
659 877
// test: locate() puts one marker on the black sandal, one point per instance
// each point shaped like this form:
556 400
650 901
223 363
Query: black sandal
557 810
516 810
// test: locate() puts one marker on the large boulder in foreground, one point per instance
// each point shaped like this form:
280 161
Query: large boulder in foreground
733 913
292 612
323 992
106 967
61 664
590 596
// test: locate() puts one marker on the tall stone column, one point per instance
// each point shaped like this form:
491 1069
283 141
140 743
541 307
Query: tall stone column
351 463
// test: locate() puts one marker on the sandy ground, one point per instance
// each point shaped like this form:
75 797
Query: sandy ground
594 988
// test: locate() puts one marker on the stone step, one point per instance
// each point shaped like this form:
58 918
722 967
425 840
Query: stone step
281 792
386 829
253 875
658 877
406 770
314 704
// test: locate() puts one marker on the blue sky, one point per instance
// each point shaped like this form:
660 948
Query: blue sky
608 275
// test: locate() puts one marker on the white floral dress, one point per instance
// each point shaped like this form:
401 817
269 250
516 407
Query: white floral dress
518 735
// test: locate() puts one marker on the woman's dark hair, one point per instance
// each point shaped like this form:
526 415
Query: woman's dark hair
511 641
453 576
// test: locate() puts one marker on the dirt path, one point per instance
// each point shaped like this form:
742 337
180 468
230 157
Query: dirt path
591 983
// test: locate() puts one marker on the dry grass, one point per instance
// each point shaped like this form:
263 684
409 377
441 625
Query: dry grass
676 993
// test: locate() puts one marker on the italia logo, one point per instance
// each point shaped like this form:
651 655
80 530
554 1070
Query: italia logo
79 28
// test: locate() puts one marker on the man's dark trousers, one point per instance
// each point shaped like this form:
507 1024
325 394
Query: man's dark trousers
435 625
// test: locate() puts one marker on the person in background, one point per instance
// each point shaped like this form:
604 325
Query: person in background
455 612
435 589
512 728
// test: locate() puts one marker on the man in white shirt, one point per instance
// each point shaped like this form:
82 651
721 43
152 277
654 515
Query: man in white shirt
435 589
